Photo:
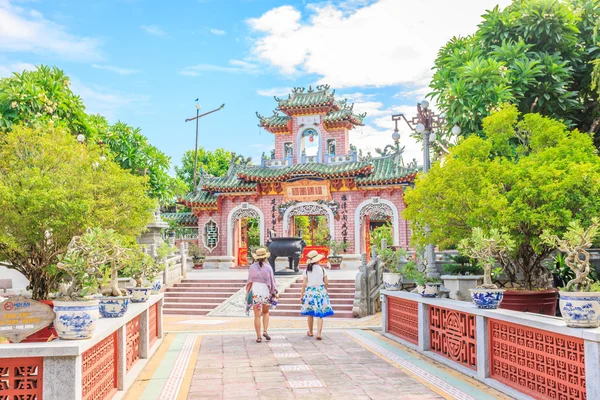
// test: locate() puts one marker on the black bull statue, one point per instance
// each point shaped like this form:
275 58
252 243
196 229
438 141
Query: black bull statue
290 247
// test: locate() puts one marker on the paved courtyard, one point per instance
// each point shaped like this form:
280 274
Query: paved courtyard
347 364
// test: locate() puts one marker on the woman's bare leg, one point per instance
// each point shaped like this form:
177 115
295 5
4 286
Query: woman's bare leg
319 327
311 321
257 321
265 319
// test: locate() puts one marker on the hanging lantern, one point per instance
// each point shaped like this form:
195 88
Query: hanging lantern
311 137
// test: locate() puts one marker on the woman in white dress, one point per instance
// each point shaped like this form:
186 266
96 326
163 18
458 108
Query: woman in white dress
315 299
261 292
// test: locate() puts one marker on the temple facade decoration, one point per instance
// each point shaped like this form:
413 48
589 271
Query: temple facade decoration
313 184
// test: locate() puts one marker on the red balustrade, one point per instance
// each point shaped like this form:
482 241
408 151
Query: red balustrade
403 319
99 370
153 323
133 342
21 378
453 335
541 364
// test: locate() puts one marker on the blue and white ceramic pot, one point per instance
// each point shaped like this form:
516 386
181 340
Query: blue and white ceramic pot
139 294
392 281
156 286
429 290
114 307
75 319
580 309
487 298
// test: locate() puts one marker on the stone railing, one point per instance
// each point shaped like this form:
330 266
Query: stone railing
175 266
341 159
368 283
276 163
94 369
523 355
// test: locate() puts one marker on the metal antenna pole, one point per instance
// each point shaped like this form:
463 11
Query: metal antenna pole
196 149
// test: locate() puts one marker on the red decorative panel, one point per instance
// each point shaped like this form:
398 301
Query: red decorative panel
133 342
21 378
320 249
153 323
453 335
99 370
542 364
403 319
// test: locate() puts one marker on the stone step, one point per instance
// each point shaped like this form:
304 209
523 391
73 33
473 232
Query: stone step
221 295
236 281
296 307
193 305
296 313
184 311
207 285
203 290
191 299
349 286
330 290
287 295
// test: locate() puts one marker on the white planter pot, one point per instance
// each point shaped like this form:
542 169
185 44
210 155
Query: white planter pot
488 299
459 285
429 290
392 281
580 309
114 307
139 294
75 319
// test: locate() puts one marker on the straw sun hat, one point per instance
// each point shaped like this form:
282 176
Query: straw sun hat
313 256
261 254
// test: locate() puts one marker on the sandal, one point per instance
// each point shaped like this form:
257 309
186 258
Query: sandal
258 340
266 335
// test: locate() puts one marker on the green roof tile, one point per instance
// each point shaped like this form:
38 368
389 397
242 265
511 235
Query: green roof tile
308 169
185 218
201 197
387 170
301 98
274 120
344 114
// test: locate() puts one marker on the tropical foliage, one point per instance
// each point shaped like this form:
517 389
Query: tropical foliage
536 54
524 177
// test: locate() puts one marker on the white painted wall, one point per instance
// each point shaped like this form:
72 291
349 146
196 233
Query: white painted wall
19 281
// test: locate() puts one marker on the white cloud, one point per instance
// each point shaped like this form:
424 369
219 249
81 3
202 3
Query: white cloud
26 30
118 70
8 69
389 42
234 67
153 30
217 32
368 138
276 91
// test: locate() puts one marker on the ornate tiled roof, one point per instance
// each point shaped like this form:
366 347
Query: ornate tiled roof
275 123
184 218
229 183
344 114
199 198
333 171
387 170
302 98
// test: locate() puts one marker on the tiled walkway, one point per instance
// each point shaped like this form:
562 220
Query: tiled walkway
347 364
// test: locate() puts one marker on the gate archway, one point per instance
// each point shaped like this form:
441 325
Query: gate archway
238 213
371 209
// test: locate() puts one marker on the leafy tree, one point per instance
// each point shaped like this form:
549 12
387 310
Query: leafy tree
51 189
44 97
523 178
536 54
214 163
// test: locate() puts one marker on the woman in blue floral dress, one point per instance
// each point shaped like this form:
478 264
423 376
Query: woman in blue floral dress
315 299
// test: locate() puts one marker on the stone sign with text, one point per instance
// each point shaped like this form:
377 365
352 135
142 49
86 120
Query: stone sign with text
21 317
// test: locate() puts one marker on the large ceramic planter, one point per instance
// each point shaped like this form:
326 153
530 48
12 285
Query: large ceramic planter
335 262
533 301
487 298
114 307
139 294
392 281
75 319
459 285
198 262
429 290
580 309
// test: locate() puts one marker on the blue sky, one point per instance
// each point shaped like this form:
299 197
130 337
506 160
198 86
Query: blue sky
144 62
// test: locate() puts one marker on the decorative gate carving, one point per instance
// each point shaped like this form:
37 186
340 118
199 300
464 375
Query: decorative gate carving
453 335
133 342
403 319
542 364
99 370
21 378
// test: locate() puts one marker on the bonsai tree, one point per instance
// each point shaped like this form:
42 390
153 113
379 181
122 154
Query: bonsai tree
575 243
164 250
462 265
526 174
197 253
80 280
336 247
487 250
143 267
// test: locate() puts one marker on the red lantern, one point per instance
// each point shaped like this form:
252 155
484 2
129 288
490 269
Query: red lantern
311 139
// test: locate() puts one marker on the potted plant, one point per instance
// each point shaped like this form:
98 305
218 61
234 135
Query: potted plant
580 299
392 272
198 255
487 250
335 248
76 312
460 276
142 267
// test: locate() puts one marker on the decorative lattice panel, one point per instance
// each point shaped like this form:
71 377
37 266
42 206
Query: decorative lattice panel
133 342
403 319
542 364
99 370
21 378
453 335
153 323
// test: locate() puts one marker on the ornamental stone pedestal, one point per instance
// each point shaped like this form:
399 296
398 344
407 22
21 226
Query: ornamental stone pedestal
152 234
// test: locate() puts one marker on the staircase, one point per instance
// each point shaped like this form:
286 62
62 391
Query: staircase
341 294
199 296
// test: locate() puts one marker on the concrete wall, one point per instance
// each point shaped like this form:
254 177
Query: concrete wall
19 281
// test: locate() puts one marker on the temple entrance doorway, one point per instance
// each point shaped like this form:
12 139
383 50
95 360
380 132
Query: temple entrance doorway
246 237
314 229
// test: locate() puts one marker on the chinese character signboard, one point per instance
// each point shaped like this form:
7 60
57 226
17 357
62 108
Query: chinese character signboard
21 317
306 190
